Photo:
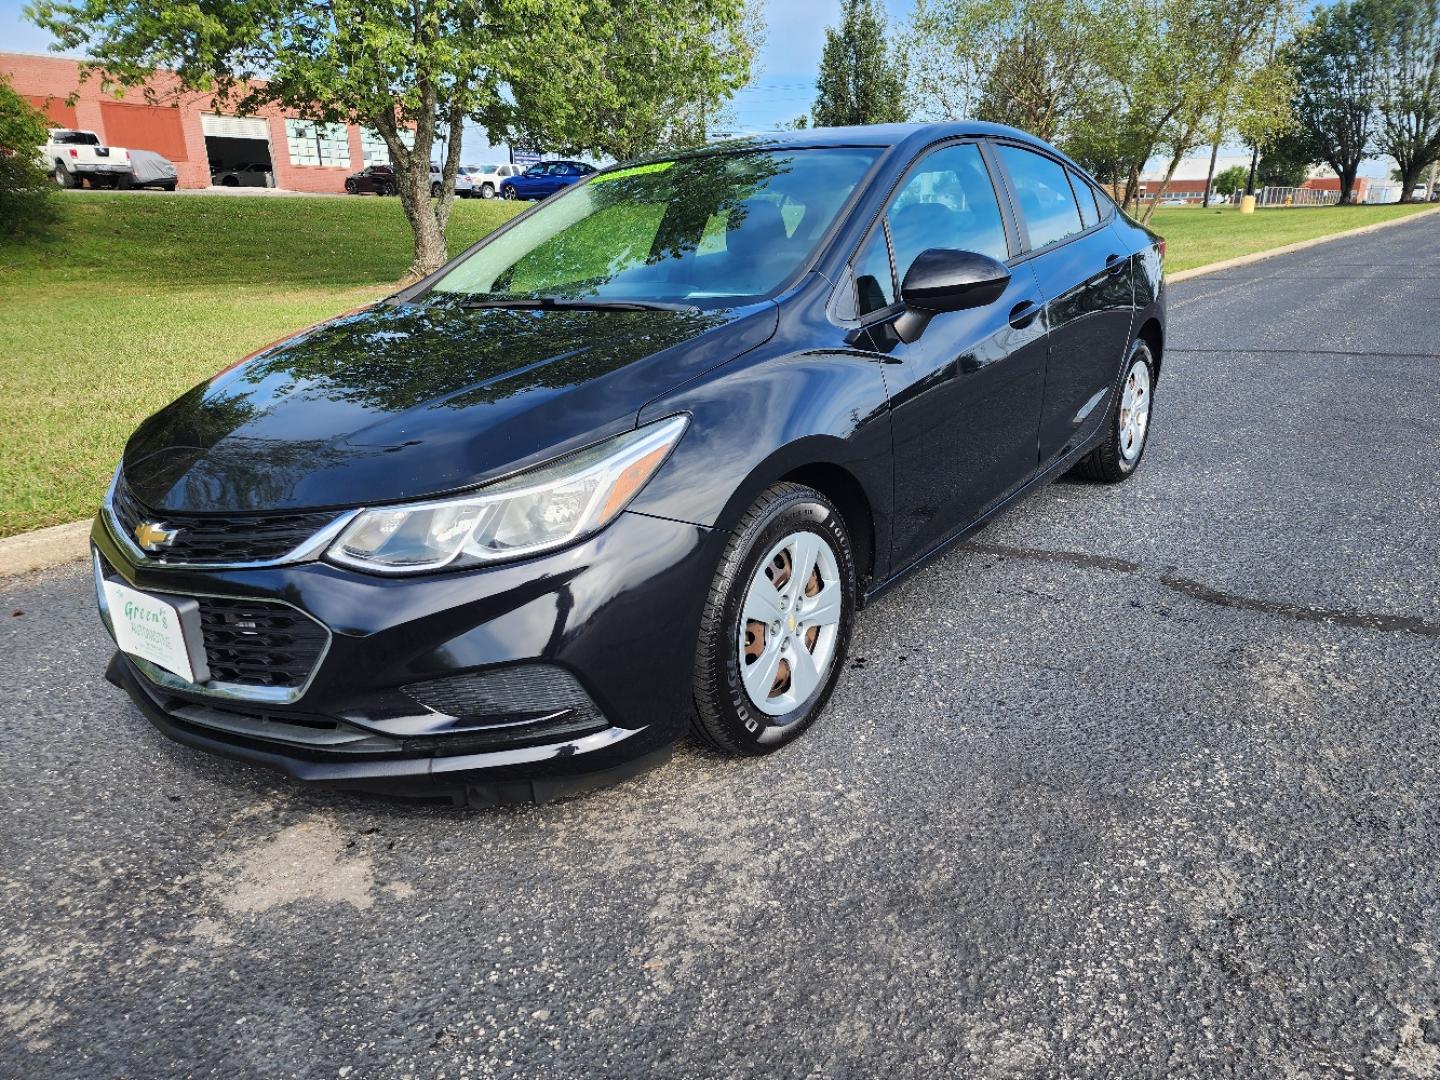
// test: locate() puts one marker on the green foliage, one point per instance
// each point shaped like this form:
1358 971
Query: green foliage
1231 180
613 76
862 79
1285 161
27 195
1335 92
1407 85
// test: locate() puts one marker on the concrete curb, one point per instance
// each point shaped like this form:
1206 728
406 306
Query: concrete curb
1299 245
44 548
59 544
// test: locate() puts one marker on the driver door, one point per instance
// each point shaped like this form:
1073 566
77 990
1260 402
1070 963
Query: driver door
965 396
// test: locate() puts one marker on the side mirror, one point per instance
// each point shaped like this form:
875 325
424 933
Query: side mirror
941 279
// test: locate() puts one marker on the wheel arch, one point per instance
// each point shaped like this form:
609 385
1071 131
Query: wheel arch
1153 334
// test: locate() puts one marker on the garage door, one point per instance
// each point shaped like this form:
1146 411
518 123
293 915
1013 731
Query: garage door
234 127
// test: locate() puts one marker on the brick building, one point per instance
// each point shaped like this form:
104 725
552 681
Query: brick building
191 131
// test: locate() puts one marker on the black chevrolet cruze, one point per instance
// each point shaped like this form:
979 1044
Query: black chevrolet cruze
630 465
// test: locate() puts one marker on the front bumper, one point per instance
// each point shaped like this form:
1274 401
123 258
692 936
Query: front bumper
610 622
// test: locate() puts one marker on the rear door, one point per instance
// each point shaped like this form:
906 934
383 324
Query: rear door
965 395
1083 271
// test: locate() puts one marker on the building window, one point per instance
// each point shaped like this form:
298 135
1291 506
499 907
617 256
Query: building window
326 145
373 147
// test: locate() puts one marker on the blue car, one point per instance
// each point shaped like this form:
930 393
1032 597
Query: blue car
545 178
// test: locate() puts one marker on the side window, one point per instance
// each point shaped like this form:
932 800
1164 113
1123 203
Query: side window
874 285
947 202
1046 202
1085 195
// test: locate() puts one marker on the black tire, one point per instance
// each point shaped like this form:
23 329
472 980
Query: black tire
349 187
509 193
434 191
230 181
64 177
1108 463
170 186
487 191
725 717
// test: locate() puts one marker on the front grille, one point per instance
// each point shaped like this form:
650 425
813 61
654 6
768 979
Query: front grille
257 643
219 538
506 707
253 642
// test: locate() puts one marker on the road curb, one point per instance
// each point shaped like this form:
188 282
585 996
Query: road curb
59 544
44 548
1299 245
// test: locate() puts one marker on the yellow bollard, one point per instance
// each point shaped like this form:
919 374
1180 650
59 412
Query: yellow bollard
1247 204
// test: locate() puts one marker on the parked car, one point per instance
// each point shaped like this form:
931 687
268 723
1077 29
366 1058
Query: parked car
544 179
149 169
486 179
629 466
379 179
464 189
246 174
74 156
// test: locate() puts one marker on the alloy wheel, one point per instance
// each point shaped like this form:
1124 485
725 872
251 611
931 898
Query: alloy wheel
789 623
1135 410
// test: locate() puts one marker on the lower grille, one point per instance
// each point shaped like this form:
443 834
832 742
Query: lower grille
506 707
259 643
256 643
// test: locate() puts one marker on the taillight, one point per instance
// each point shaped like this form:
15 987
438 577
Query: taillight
1161 248
74 152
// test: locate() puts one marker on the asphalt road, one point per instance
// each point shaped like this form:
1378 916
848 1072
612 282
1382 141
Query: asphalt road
1142 784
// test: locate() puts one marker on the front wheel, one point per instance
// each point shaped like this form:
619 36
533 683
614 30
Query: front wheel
434 191
487 191
508 192
350 188
1119 455
776 625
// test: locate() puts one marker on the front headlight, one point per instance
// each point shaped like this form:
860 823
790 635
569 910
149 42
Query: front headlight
530 512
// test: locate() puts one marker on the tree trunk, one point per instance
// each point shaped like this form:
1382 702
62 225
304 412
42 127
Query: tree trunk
1347 183
1164 187
1409 177
1210 176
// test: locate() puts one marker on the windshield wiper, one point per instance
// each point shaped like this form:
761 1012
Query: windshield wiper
570 303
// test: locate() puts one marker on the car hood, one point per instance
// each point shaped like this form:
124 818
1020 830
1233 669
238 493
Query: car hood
405 401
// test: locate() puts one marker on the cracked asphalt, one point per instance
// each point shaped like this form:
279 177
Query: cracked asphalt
1141 783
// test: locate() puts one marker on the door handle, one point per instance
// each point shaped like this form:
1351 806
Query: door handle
1023 314
1115 264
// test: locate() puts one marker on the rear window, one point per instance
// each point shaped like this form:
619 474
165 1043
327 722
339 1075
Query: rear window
77 138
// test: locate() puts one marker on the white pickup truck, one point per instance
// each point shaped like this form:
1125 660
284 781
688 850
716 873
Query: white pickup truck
72 156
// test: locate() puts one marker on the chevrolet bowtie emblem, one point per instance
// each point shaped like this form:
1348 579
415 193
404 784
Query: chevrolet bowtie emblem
153 536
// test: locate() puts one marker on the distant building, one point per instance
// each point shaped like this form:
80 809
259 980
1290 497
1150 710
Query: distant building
1331 182
1188 183
190 130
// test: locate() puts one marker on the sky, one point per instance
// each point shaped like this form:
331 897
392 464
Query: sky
783 88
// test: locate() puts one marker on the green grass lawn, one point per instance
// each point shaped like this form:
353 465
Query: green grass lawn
1195 237
135 298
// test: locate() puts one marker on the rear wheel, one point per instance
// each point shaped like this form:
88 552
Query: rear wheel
508 192
350 187
1119 455
64 177
776 625
435 191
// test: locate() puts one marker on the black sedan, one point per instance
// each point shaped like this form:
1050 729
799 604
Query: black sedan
628 467
379 179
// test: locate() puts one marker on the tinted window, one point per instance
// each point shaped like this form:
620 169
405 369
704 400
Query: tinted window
704 229
1089 211
874 287
947 202
1046 202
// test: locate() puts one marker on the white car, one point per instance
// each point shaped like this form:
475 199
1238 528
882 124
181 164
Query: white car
485 179
464 189
72 156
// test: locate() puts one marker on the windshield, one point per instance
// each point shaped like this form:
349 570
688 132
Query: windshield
714 227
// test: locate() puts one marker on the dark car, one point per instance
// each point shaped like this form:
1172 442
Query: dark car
629 466
545 178
379 179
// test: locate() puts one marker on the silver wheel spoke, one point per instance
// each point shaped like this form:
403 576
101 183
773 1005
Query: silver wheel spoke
760 676
762 604
804 675
822 609
804 553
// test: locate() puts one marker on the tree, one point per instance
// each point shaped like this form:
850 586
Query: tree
1407 85
1231 180
27 202
1285 160
410 69
861 80
1027 63
1335 91
647 75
